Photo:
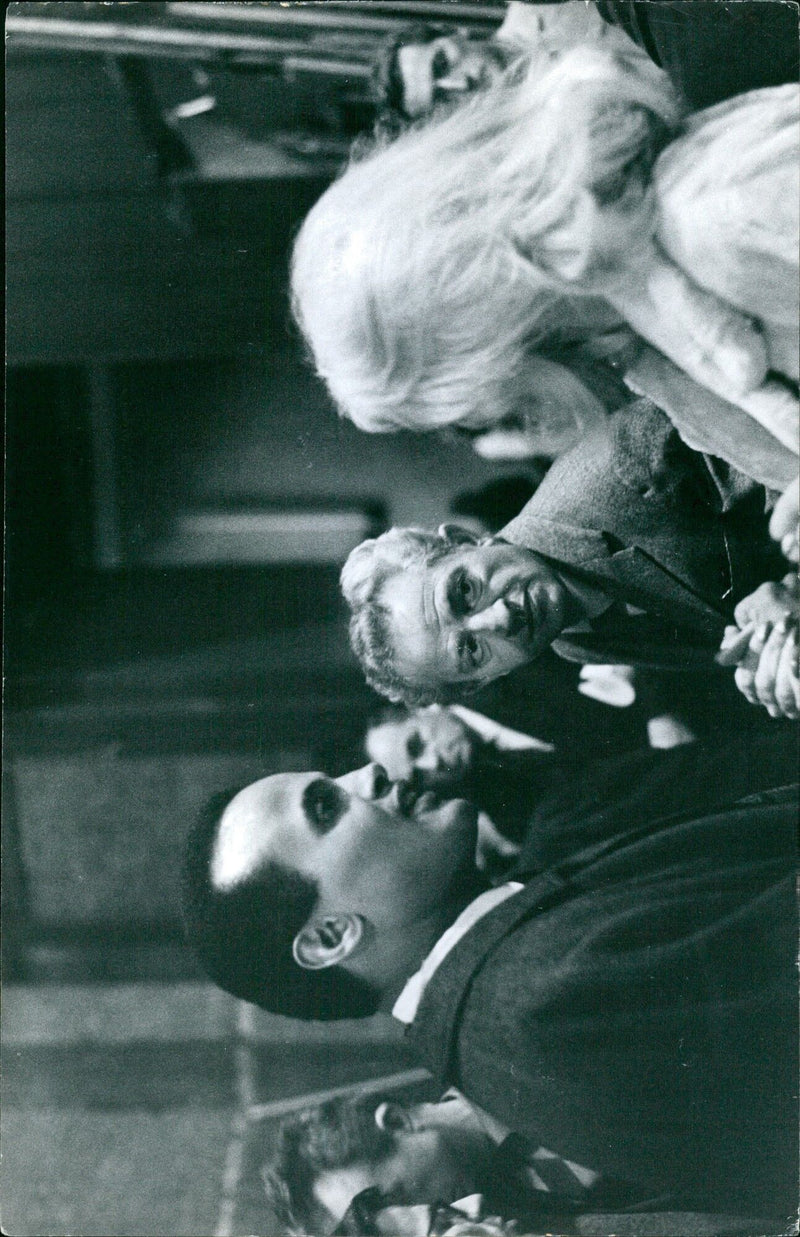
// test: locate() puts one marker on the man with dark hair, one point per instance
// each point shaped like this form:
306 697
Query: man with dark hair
423 65
711 51
241 946
628 998
420 1153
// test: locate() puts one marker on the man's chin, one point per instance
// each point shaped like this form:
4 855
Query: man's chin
451 814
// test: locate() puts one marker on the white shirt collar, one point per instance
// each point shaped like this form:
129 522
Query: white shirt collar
406 1006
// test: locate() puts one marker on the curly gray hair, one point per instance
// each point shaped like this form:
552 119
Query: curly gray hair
363 577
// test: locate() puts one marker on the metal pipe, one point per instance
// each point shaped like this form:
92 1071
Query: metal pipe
132 40
344 14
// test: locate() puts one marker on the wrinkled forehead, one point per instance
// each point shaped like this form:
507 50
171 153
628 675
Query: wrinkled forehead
414 627
258 824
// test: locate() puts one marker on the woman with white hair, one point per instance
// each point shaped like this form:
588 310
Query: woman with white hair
432 278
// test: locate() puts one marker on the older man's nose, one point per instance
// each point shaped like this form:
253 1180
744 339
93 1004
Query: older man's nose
501 617
454 81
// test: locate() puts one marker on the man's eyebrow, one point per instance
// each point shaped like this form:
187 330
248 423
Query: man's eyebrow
431 614
435 620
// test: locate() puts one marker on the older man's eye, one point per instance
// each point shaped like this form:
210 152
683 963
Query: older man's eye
323 802
463 592
470 652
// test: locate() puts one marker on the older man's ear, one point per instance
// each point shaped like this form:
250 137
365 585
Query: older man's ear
329 941
457 534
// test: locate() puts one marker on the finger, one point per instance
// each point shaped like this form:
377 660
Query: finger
760 637
734 644
765 677
790 547
787 678
743 679
744 676
786 513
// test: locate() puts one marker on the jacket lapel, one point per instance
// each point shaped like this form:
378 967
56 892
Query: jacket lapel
637 578
565 543
629 575
433 1031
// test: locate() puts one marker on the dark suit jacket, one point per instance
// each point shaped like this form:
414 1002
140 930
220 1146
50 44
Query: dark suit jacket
634 511
710 50
634 1007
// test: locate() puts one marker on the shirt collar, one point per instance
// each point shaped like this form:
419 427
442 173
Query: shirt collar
406 1006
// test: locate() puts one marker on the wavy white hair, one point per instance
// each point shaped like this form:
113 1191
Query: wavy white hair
424 276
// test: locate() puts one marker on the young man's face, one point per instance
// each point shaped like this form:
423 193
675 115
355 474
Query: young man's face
439 1154
444 69
374 847
474 615
432 744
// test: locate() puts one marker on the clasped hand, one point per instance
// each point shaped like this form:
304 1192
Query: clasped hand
764 646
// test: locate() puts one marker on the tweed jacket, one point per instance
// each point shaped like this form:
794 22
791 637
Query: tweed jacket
659 528
634 1006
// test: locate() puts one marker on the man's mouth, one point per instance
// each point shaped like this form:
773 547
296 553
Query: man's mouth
412 800
531 615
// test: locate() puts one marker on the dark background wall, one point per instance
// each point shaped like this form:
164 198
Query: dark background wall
154 373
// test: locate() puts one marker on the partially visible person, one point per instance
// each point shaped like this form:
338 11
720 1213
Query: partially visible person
459 752
634 550
421 1153
710 51
375 1166
434 744
763 644
627 999
424 65
784 525
537 206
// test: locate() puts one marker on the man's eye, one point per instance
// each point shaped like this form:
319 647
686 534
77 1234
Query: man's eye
462 594
322 804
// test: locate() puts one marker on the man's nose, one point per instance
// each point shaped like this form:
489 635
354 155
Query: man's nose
371 782
392 1117
501 617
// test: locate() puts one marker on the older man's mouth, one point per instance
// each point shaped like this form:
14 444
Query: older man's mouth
532 614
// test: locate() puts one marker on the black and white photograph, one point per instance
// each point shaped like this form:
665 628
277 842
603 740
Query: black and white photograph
401 619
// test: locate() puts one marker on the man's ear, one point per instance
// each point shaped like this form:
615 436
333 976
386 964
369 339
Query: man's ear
457 534
393 1118
328 941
